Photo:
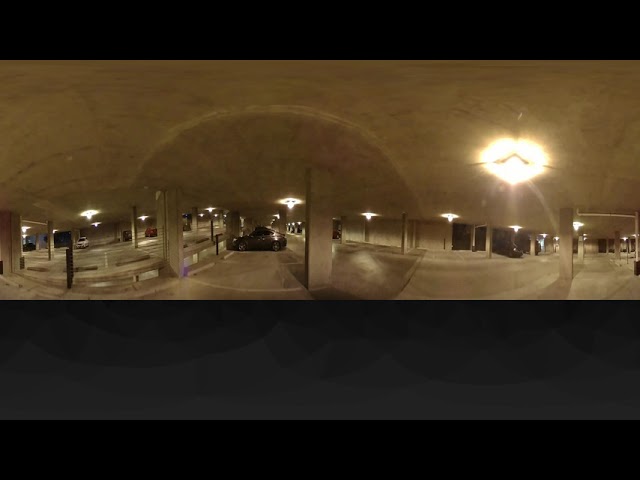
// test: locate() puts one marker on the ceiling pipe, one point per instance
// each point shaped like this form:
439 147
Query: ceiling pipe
36 223
603 214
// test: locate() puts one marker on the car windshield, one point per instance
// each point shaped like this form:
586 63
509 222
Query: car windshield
82 239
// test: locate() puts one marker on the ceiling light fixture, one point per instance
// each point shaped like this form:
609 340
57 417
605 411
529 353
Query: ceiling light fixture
143 217
24 229
577 225
516 227
514 161
450 216
95 224
89 213
290 202
368 215
556 238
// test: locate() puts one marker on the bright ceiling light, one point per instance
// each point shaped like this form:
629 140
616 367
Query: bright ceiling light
624 238
215 214
299 223
516 227
201 214
210 209
55 231
450 216
89 213
277 215
368 215
143 217
577 225
95 224
290 202
544 235
556 238
24 229
514 161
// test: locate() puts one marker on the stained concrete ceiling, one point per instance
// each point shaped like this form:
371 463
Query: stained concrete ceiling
396 135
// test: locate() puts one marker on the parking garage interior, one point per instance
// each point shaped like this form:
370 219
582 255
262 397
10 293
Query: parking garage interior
389 179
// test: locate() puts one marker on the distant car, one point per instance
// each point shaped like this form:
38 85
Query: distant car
28 247
336 235
82 242
261 239
151 232
126 235
509 250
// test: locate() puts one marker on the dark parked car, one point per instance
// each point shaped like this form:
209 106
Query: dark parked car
336 235
508 250
126 235
151 232
261 239
28 247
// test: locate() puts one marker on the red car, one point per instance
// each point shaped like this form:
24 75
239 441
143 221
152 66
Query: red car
151 232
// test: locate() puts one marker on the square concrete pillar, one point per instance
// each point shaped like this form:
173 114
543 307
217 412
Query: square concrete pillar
194 219
489 241
318 230
473 238
581 240
170 224
532 247
10 241
50 244
616 245
566 244
343 229
134 226
413 233
233 226
282 220
405 230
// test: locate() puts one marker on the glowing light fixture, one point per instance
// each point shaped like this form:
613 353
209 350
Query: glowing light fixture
577 225
299 223
515 227
544 235
290 202
201 214
143 217
368 215
556 238
24 229
450 216
95 224
89 213
514 161
624 238
55 231
210 209
277 215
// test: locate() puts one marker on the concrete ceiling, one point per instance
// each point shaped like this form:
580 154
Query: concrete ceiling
396 135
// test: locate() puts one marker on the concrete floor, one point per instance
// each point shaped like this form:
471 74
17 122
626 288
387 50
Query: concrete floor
360 271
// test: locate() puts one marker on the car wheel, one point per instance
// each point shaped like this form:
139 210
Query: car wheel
275 246
242 246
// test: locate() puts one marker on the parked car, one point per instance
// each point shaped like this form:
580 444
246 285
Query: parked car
508 250
336 235
126 236
82 242
151 232
28 247
261 239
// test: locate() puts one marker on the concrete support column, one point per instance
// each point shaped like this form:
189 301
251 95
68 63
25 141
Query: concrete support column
194 218
566 244
581 240
282 220
489 240
473 238
170 224
637 235
616 244
10 241
533 245
50 239
405 230
134 226
233 226
37 242
607 250
343 223
318 230
365 235
413 234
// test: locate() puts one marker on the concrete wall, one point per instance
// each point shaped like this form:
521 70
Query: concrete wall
388 231
591 246
432 235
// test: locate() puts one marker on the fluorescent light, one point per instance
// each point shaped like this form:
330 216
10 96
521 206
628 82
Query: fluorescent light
143 217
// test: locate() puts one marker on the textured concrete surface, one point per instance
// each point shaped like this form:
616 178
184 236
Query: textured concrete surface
397 136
